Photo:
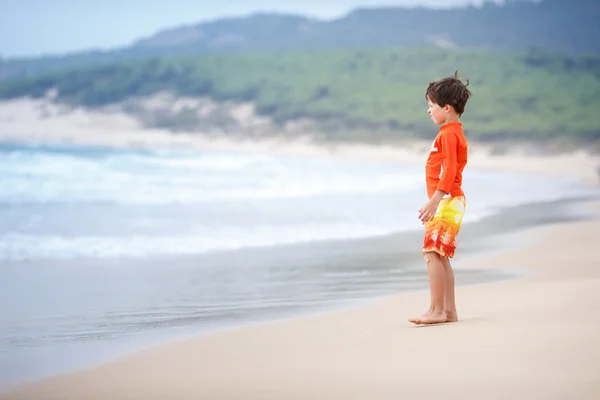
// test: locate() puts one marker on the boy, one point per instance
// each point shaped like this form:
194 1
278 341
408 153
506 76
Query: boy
443 213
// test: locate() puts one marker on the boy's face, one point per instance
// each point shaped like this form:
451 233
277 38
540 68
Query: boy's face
438 114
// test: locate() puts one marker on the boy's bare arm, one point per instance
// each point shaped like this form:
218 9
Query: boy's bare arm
427 212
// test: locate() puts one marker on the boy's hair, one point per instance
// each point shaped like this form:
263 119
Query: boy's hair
450 90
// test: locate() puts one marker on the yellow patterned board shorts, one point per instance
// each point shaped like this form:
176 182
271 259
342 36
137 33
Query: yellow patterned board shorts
441 232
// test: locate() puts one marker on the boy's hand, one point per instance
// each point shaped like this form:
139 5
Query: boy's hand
427 212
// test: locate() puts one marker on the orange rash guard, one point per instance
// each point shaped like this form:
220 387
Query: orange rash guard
446 161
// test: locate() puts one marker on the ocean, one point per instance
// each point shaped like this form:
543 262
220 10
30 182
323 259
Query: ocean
104 251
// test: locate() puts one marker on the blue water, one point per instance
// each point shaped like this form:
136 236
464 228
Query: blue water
69 202
103 251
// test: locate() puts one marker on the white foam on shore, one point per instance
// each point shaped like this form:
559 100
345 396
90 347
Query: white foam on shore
68 202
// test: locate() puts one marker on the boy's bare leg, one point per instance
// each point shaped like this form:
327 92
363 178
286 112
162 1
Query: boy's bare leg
437 284
449 301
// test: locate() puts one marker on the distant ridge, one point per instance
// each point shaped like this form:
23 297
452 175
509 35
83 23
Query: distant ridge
561 26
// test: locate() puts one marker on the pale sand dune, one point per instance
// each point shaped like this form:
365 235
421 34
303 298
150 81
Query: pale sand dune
41 121
533 338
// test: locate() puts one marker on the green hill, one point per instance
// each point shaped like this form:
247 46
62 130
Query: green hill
562 26
365 95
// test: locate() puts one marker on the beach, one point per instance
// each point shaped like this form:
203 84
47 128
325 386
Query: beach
531 333
536 337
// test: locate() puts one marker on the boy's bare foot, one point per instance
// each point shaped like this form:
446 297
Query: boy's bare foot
451 316
429 319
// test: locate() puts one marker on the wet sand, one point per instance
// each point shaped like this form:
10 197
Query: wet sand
534 337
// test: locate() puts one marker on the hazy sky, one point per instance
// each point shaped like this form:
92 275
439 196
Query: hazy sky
32 27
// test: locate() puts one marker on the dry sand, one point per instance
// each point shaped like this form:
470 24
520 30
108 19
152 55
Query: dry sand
533 338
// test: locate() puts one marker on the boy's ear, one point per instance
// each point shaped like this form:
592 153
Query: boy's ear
448 108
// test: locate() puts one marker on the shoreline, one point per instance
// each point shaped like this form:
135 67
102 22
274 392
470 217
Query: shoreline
372 342
323 326
379 253
348 254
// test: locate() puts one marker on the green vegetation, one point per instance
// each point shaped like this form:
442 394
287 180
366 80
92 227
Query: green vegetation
569 27
364 95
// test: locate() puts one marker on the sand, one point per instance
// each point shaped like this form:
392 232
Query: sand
537 337
42 121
